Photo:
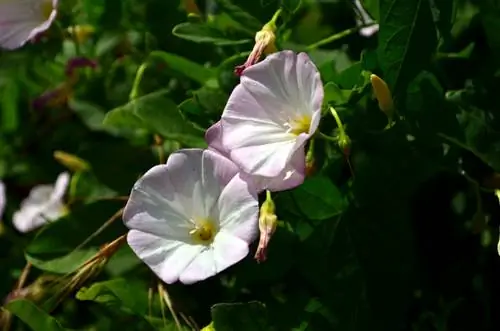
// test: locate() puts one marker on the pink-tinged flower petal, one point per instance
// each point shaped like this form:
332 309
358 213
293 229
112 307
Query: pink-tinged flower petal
3 199
191 165
213 137
154 207
22 20
166 258
226 251
263 121
238 210
292 176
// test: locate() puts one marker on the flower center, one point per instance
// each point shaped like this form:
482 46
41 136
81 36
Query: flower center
299 125
204 232
46 9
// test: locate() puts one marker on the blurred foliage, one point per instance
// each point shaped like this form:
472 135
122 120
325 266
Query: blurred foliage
401 237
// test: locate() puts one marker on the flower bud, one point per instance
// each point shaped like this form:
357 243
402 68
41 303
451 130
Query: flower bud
209 327
267 225
264 44
81 33
70 161
310 161
191 7
383 95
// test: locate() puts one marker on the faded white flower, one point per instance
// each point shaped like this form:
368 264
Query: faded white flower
44 204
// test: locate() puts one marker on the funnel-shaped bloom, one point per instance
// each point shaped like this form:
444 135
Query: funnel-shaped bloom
44 204
272 113
22 20
192 217
363 18
292 176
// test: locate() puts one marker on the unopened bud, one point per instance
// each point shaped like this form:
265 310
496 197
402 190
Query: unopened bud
267 225
70 161
344 143
264 44
310 161
81 33
209 327
383 95
191 7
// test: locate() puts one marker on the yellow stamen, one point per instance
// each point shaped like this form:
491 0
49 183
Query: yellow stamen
300 125
204 232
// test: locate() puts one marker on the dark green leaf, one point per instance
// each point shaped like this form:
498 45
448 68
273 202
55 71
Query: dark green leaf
34 317
121 293
188 68
407 41
203 33
318 198
249 316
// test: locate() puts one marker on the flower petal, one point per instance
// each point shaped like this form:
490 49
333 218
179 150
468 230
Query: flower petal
28 218
60 187
238 210
155 208
291 177
166 258
213 137
225 251
199 176
21 20
274 93
3 199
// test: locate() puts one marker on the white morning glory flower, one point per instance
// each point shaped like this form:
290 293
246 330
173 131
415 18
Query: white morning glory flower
22 20
292 176
3 199
272 113
363 18
44 204
192 217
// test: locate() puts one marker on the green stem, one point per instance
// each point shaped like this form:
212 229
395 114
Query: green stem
268 195
275 17
337 36
137 81
337 119
326 137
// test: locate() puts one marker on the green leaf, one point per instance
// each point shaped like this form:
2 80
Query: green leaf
62 264
335 95
291 6
204 33
52 249
188 68
34 317
239 15
9 91
318 198
372 7
159 114
122 293
407 41
249 316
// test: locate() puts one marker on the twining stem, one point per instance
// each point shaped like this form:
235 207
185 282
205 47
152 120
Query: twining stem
326 137
337 119
337 36
134 93
165 296
24 276
113 218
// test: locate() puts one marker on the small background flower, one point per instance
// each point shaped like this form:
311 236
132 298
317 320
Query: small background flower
44 204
